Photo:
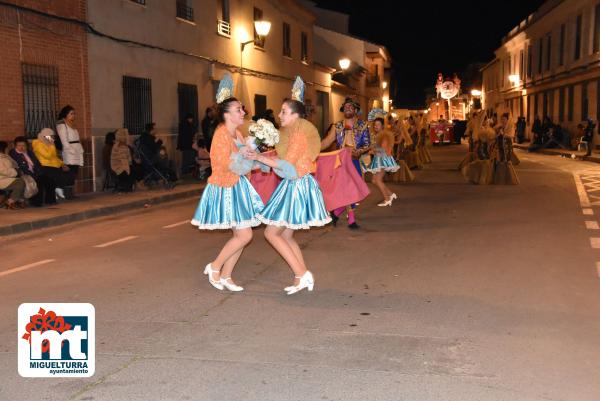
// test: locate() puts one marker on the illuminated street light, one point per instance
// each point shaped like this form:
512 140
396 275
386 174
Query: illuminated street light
514 79
475 92
384 84
262 27
344 63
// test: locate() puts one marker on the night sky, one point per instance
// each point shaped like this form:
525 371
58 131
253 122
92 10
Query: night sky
425 38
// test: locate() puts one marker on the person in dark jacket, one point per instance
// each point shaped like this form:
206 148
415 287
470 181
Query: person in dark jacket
30 165
187 132
209 123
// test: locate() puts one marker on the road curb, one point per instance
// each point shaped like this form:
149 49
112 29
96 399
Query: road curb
55 221
559 152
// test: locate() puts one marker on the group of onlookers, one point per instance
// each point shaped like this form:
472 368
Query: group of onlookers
44 171
546 134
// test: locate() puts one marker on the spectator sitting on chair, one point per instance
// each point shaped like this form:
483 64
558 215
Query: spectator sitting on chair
202 159
149 145
30 165
109 141
120 161
10 181
52 166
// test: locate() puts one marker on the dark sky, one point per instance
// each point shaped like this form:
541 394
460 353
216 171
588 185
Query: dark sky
427 37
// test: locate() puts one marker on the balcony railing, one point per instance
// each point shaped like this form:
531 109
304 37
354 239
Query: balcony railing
184 11
223 28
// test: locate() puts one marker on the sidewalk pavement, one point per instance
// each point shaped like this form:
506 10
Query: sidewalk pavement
91 205
575 154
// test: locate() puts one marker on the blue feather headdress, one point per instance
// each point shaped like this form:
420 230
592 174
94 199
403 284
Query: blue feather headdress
298 90
225 90
375 113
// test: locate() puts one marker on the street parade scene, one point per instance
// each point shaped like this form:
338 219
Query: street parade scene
299 200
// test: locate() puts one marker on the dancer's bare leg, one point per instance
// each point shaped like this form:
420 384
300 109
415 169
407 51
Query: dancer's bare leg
378 181
229 255
288 235
274 236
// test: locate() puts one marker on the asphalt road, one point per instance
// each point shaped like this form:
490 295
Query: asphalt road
455 293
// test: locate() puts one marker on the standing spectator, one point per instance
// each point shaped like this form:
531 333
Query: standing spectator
72 151
30 165
209 123
521 124
52 166
109 142
187 132
588 136
120 161
10 181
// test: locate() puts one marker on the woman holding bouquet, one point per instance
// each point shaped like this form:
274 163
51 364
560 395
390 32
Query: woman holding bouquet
228 200
297 203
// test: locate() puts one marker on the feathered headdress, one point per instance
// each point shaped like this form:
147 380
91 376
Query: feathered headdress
298 90
225 90
376 113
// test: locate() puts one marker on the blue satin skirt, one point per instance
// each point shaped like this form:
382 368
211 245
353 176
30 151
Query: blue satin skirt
385 163
296 204
228 207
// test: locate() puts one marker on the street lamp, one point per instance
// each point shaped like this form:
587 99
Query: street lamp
475 93
344 63
514 79
384 84
262 29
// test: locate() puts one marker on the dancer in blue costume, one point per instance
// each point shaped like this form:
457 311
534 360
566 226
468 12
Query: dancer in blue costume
297 203
229 201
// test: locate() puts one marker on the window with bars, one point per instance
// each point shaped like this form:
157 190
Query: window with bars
304 47
561 104
570 103
578 24
259 41
188 100
184 10
287 49
596 41
561 45
529 61
137 103
548 51
40 97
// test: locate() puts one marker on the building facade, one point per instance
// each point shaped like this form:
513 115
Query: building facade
44 66
156 61
549 65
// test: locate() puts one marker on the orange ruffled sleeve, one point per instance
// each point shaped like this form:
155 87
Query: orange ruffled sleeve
220 157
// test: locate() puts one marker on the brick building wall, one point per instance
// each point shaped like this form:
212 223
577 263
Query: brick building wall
56 45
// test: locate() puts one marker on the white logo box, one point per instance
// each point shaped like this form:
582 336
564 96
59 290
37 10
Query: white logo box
77 361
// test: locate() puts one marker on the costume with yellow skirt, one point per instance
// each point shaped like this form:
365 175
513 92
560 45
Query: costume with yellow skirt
501 152
480 171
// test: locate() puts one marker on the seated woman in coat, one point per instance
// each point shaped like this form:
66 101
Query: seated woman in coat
30 165
10 181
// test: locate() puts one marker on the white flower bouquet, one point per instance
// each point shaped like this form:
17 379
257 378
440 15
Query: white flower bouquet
264 134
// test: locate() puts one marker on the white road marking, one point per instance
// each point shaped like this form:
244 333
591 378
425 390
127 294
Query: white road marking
588 212
116 241
595 242
583 197
592 225
178 224
29 266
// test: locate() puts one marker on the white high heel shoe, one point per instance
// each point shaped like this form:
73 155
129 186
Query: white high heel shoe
306 281
394 196
291 287
229 284
386 203
209 271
